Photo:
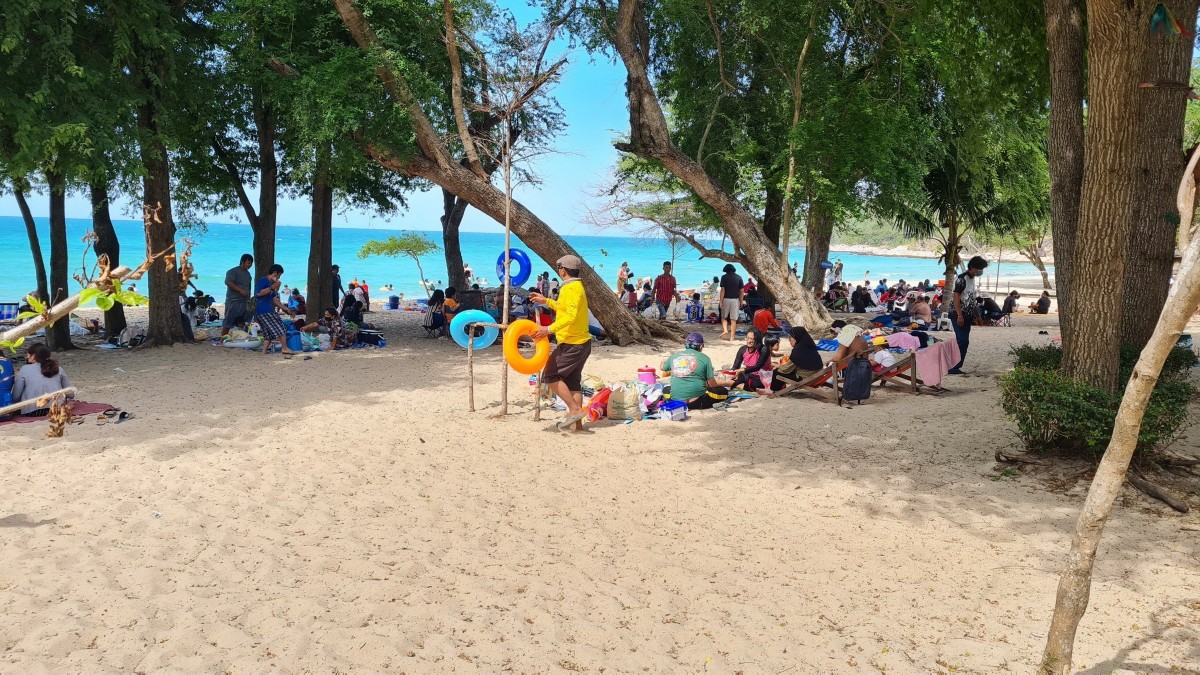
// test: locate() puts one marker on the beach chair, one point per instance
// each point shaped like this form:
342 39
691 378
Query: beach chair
904 370
469 300
817 381
9 312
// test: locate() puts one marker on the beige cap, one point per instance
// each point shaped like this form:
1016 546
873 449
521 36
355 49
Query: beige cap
571 262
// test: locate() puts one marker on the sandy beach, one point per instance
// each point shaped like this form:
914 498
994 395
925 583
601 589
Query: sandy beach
347 514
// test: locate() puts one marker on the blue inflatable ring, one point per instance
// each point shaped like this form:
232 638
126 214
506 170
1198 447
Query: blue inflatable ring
525 267
458 328
826 265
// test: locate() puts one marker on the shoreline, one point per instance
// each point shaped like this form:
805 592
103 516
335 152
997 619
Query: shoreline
905 251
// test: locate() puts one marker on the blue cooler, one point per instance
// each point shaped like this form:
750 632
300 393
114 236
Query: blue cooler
7 378
393 302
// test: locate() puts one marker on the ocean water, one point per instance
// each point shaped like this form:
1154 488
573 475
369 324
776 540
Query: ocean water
219 246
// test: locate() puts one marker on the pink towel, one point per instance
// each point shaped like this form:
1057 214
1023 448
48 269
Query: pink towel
934 361
903 341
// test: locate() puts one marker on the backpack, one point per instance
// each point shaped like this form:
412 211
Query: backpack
856 383
625 403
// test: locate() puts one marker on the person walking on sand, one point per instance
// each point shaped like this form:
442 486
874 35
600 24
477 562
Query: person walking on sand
729 301
564 369
622 277
964 311
266 296
338 291
237 293
665 290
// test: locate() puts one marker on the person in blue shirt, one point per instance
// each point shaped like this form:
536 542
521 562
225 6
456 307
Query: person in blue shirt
881 287
695 310
266 299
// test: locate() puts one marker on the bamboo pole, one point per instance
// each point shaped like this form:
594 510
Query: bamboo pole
470 370
40 401
507 270
62 309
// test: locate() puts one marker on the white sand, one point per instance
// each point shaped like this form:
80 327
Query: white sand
347 514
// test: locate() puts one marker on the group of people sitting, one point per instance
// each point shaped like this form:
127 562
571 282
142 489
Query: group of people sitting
839 297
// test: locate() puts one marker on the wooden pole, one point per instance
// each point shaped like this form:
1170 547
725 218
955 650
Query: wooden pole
39 401
470 370
507 239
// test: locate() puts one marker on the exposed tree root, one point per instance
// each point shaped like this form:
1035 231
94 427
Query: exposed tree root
1157 492
1002 456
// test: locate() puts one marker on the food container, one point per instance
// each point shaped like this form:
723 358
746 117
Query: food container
647 375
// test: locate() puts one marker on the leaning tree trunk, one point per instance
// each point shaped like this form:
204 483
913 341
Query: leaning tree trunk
320 250
1160 159
58 336
35 244
816 245
453 209
268 187
1116 33
165 327
1074 586
1065 42
107 244
953 246
1033 253
650 138
772 223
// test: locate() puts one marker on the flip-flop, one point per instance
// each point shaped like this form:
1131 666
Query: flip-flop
101 420
110 413
567 421
124 416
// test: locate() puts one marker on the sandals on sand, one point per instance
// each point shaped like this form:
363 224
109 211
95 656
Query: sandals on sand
124 416
566 422
104 417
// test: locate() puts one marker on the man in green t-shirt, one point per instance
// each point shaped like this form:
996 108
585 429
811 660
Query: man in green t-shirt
692 377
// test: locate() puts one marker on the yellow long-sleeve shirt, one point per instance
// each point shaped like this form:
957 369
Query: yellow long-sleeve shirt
570 325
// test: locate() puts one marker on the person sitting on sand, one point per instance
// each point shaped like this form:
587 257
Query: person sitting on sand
297 304
919 309
802 361
331 324
451 305
1010 303
1042 306
629 299
693 379
764 320
40 375
695 310
751 357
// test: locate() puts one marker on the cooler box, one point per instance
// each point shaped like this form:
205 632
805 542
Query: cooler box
676 411
393 302
9 311
647 375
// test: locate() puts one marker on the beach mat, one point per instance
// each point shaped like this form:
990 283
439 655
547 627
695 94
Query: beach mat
80 408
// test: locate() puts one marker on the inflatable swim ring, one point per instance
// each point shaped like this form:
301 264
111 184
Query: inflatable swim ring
524 266
541 351
458 328
243 344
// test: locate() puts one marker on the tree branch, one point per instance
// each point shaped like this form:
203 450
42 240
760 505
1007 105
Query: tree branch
456 100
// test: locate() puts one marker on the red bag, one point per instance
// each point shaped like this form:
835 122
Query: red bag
598 406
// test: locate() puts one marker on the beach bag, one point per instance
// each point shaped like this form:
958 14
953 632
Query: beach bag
856 385
625 403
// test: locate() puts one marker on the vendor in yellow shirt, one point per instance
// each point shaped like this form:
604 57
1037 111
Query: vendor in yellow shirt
564 369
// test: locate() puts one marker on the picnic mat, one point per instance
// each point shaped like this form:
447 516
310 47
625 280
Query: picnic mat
80 408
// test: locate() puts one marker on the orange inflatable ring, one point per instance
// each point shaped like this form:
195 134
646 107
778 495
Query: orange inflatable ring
541 349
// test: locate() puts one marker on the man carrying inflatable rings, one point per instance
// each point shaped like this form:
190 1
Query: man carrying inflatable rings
564 369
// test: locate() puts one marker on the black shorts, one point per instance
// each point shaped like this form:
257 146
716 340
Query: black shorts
566 364
234 311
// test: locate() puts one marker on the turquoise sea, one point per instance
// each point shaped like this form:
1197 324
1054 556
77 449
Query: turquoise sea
219 246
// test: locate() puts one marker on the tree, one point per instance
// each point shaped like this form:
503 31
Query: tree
1030 239
1074 585
409 244
429 158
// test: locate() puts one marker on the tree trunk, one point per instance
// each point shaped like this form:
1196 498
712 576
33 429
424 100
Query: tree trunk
816 245
268 187
1034 254
107 244
58 336
35 244
953 237
1074 586
320 251
165 326
772 225
650 138
1065 41
453 210
1160 160
1116 33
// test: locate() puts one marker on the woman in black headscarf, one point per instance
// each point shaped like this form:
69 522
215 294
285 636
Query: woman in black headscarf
804 360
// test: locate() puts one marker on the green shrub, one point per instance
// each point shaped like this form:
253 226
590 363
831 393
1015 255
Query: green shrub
1055 411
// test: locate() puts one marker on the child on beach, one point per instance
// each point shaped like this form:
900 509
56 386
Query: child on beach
695 310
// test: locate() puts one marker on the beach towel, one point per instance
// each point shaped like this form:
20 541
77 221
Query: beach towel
827 345
80 408
934 361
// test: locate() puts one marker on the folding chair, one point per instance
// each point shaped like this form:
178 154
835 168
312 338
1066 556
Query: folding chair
905 369
9 311
469 300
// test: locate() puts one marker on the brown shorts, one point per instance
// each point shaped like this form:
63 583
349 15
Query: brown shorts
566 364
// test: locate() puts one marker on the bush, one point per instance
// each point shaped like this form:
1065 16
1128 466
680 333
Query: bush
1055 411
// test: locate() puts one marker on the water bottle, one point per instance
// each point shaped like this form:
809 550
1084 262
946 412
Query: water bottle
533 380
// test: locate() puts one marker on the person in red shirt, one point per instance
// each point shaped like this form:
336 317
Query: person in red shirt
764 320
664 290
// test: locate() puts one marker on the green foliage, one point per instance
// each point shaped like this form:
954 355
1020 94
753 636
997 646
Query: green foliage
1052 410
410 244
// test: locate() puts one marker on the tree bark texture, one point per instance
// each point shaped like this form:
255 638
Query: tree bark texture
1065 40
107 244
1116 35
35 243
58 336
772 222
816 245
268 187
1160 159
165 327
650 138
1074 586
320 251
453 210
434 164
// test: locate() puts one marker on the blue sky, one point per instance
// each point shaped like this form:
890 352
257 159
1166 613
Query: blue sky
592 94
